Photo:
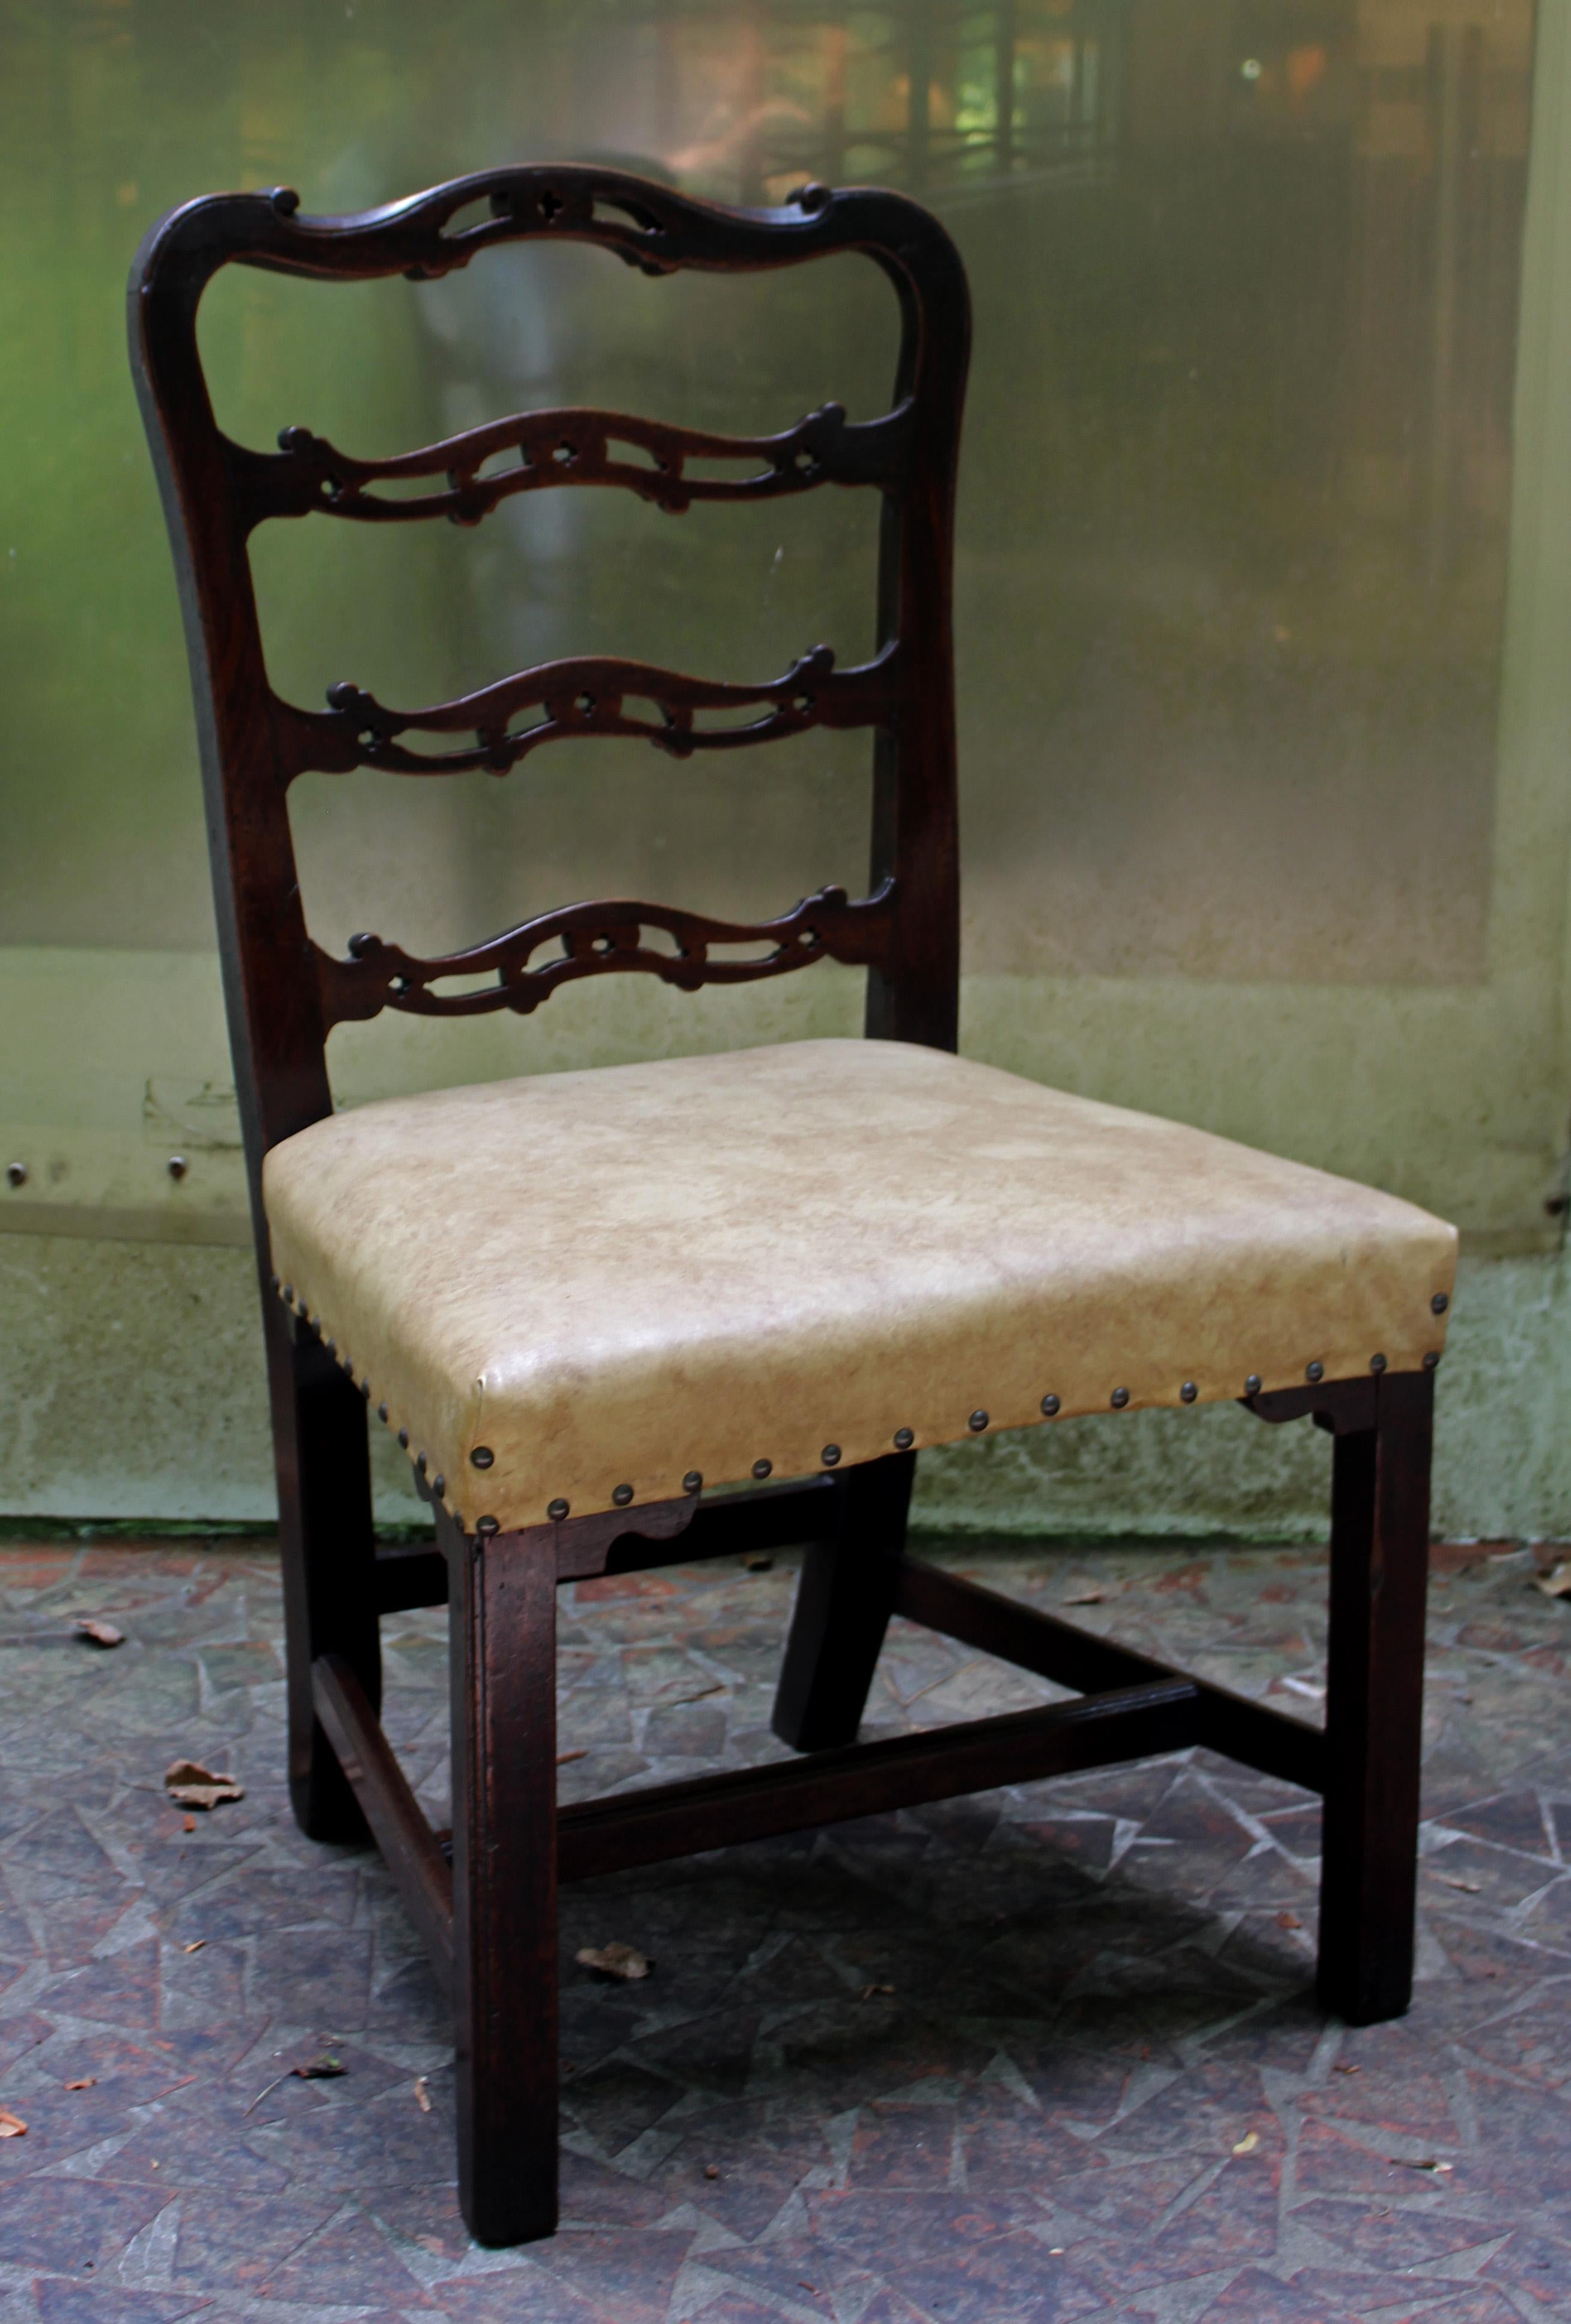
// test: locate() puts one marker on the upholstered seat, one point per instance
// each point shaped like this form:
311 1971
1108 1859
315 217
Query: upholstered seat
635 1275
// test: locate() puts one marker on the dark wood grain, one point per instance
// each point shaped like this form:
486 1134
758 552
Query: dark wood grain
845 1596
282 999
645 1827
502 1656
327 1551
585 939
1057 1650
393 1814
1374 1693
545 450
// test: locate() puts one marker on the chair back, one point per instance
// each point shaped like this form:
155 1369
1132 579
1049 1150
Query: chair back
284 993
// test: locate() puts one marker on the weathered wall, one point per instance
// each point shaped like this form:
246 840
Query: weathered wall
1263 596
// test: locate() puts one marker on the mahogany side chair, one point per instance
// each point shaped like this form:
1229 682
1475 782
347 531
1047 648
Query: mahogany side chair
584 1300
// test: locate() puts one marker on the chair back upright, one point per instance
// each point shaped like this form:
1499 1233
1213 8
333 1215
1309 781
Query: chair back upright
284 993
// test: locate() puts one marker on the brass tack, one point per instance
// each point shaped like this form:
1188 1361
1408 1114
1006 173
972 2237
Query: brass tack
829 1455
483 1457
623 1495
17 1174
1431 1359
1049 1406
1120 1399
762 1468
404 1438
1315 1371
273 1282
287 1294
1189 1392
439 1486
1378 1363
365 1389
557 1509
693 1481
905 1438
486 1525
331 1346
382 1413
1440 1303
977 1422
1252 1385
177 1167
420 1463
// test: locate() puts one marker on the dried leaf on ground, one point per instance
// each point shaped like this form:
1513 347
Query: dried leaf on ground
1468 1887
1347 2070
422 2094
99 1634
324 2068
1556 1583
617 1961
1248 2142
870 1991
564 1757
87 2082
1289 1921
1091 1596
194 1946
11 2124
188 1823
711 2170
189 1785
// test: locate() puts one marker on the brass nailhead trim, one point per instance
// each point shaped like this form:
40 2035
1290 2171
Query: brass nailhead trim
1049 1405
905 1438
623 1495
382 1413
1378 1363
693 1481
1440 1303
829 1455
1189 1392
486 1525
1252 1385
1120 1399
1431 1359
977 1422
1315 1371
483 1457
439 1486
404 1439
556 1510
762 1469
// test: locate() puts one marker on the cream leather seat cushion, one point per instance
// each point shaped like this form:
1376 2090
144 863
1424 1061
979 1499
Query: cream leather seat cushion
620 1277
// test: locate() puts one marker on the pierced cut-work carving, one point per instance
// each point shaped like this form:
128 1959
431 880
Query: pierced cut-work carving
216 492
595 694
543 450
595 940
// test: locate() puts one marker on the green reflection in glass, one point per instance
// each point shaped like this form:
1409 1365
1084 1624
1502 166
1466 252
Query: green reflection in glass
1233 525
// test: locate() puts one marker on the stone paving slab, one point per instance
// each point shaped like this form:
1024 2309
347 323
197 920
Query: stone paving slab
1048 2053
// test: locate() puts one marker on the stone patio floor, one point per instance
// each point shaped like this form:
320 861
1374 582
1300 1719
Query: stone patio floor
1047 2053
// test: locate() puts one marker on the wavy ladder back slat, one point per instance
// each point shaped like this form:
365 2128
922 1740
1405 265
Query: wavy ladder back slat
285 993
